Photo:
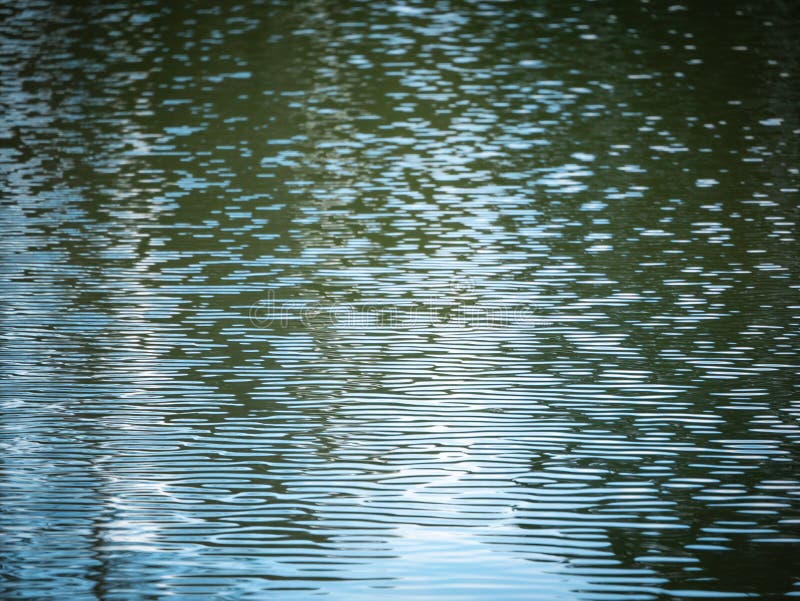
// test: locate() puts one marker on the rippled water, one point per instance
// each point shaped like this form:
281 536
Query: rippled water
402 300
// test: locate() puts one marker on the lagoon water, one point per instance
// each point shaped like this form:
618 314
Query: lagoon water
350 300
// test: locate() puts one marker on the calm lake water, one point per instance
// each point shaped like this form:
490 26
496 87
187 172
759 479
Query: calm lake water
347 300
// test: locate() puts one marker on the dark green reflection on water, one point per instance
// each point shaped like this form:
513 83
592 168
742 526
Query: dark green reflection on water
463 300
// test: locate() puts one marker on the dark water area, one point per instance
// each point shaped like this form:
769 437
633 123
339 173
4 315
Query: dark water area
348 300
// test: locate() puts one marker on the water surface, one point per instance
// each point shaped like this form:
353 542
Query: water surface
405 300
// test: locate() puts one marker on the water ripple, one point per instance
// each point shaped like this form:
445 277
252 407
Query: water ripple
459 301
